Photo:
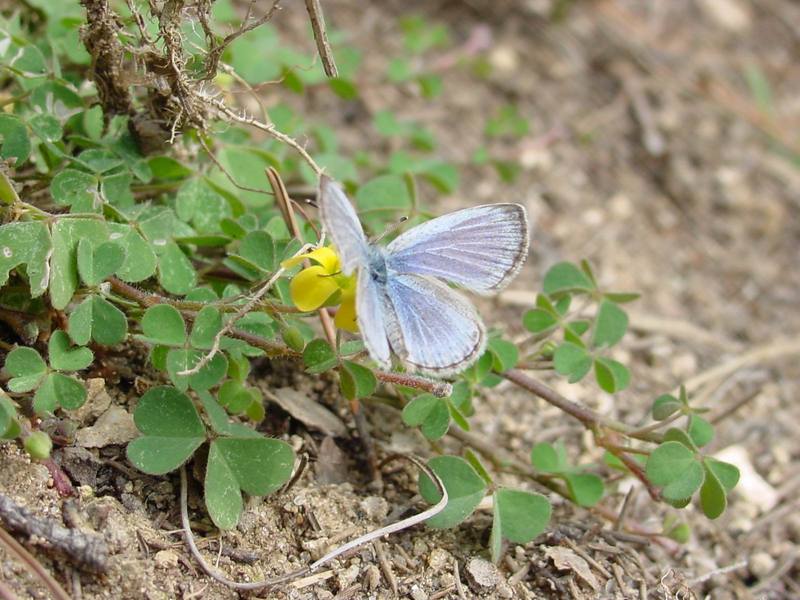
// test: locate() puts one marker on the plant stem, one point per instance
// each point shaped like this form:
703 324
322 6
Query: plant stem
589 418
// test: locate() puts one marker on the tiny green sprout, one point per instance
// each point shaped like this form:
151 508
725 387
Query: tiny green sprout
38 445
585 489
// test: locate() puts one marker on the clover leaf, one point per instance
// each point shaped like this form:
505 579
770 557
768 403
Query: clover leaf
255 465
26 367
171 431
97 319
519 516
96 263
465 489
430 414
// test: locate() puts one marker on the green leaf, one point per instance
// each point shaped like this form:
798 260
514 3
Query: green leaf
26 243
713 498
700 430
505 354
507 122
465 489
357 381
218 417
257 466
573 361
473 460
430 414
585 488
565 277
166 167
62 358
318 356
163 324
386 192
26 368
258 247
665 406
58 389
686 484
610 325
96 318
67 233
95 264
548 458
197 202
538 320
47 127
612 376
14 140
621 297
181 359
71 187
38 445
481 369
140 261
668 462
235 397
171 431
673 434
9 425
175 271
727 473
673 466
519 516
207 324
681 533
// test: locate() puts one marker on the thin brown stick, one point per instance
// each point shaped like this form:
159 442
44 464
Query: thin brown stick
287 210
589 418
317 19
268 128
215 53
86 551
34 566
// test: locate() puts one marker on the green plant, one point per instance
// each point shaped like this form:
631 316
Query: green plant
112 233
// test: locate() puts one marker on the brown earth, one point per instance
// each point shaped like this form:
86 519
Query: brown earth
649 156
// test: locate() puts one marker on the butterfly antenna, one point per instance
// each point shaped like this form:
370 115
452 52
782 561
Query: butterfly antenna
390 229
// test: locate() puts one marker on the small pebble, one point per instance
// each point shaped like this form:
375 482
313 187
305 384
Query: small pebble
166 559
761 564
482 574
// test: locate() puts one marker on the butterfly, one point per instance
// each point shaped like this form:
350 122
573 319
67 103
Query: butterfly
403 306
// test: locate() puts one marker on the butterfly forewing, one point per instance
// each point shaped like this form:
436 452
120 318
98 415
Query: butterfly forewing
438 330
342 224
480 248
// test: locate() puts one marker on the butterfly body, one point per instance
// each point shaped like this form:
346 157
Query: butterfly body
403 305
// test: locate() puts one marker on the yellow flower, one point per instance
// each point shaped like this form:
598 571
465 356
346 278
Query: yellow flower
316 286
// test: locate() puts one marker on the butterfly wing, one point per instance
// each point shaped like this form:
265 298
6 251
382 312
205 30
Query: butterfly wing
373 320
342 224
431 327
480 248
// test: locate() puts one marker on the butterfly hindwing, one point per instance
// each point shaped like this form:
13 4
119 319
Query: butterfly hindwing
435 329
480 248
371 312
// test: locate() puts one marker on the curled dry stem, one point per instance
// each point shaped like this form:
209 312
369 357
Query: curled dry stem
217 575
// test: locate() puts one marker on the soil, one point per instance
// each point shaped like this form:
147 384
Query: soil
649 156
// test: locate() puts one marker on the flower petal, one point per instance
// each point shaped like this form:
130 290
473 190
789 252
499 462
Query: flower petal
326 257
346 315
311 288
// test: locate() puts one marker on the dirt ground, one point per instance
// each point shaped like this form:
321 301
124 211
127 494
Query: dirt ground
648 155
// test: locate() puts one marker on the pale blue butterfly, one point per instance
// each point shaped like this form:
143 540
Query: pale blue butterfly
402 306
